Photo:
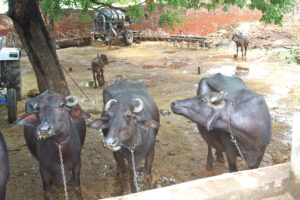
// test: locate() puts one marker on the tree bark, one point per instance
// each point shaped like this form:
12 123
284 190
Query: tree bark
28 22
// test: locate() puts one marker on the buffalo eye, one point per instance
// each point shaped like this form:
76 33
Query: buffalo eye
61 105
201 100
128 116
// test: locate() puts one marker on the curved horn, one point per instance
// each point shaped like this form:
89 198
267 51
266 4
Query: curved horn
71 100
140 106
108 104
219 98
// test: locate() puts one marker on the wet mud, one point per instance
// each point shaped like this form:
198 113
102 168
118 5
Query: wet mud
180 153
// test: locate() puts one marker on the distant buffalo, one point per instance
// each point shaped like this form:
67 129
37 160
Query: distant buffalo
243 113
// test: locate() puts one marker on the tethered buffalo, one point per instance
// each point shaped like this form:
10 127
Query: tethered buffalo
130 122
238 124
53 122
4 167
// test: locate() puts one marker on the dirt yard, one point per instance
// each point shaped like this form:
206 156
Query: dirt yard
170 73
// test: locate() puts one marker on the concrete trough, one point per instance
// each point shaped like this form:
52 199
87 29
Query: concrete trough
278 182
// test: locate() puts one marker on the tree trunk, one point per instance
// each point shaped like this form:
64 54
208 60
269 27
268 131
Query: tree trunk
38 45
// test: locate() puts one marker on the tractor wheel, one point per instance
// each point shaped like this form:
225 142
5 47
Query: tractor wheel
128 37
12 104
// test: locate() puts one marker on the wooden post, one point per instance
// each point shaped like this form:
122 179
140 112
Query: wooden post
199 70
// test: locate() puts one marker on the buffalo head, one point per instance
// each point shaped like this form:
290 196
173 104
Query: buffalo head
121 122
52 115
203 109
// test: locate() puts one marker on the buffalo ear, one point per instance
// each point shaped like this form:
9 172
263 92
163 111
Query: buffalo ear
152 124
96 124
29 119
77 112
212 120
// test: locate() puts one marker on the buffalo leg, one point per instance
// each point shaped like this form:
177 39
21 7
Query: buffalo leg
98 79
231 156
246 46
237 51
95 79
47 182
219 156
242 50
148 171
2 191
76 179
102 76
210 163
124 172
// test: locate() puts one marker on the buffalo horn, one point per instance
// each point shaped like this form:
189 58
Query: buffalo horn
71 100
108 104
139 107
219 98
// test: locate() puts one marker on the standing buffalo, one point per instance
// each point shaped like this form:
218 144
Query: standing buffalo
97 65
4 167
129 121
242 115
53 121
240 41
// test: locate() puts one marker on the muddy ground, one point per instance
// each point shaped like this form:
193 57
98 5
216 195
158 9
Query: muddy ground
170 73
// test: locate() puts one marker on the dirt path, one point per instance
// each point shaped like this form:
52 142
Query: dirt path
169 74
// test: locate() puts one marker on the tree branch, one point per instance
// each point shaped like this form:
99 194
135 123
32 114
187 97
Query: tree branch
107 5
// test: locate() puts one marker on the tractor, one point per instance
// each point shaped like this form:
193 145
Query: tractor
111 24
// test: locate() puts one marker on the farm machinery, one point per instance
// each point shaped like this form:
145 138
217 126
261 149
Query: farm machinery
10 79
111 24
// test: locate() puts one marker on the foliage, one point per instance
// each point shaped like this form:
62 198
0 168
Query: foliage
273 10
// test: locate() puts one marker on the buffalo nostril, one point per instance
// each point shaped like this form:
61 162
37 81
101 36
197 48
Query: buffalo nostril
173 103
114 142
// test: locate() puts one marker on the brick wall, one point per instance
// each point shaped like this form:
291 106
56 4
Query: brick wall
200 22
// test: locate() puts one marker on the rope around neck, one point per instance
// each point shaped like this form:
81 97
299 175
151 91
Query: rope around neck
131 149
60 146
233 139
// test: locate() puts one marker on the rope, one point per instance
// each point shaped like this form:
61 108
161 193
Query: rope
78 87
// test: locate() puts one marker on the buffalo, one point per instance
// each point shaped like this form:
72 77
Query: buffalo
240 41
231 118
4 167
54 121
129 122
97 65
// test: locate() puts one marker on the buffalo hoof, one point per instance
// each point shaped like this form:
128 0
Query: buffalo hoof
78 193
47 195
125 184
220 157
235 56
148 181
210 165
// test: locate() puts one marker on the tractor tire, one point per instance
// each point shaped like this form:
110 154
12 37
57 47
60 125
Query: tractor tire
13 75
128 37
12 104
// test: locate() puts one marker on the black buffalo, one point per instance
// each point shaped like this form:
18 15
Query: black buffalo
4 167
53 119
130 119
243 111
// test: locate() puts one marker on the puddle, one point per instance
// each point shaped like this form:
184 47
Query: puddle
87 83
228 58
228 70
